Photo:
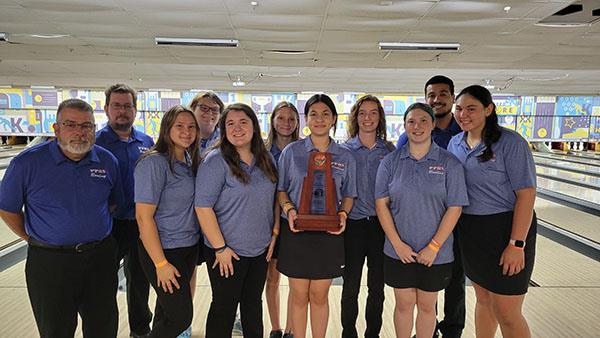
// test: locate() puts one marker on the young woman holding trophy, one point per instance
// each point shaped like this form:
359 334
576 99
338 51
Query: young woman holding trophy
316 175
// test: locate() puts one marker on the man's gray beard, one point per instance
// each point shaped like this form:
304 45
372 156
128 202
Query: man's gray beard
76 149
121 126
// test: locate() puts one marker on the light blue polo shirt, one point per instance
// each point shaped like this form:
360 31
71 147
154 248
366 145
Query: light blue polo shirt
276 152
173 195
66 202
420 192
244 211
127 153
491 185
293 167
205 144
367 162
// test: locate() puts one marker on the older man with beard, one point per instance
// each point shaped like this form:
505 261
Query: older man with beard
68 187
127 144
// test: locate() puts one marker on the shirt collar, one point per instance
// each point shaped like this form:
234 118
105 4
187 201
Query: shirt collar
453 127
274 150
114 137
355 144
215 135
333 148
433 153
59 157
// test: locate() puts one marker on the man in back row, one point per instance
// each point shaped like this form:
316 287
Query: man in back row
439 94
127 144
68 187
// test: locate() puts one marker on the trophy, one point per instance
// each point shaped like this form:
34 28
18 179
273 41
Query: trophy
318 210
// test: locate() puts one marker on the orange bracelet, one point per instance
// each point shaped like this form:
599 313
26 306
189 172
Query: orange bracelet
433 247
161 264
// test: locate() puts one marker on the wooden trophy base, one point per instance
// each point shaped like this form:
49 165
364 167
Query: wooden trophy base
307 222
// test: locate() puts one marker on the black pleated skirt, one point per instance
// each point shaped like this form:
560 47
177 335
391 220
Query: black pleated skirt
310 254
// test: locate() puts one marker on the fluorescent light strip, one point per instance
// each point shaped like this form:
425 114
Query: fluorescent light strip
419 46
196 42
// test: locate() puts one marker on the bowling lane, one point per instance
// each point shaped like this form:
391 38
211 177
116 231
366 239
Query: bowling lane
566 158
583 168
575 221
593 182
571 190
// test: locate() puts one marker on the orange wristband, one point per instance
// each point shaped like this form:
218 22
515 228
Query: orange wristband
433 247
161 264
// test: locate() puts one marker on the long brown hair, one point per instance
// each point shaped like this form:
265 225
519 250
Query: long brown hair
165 145
257 147
491 131
353 119
272 138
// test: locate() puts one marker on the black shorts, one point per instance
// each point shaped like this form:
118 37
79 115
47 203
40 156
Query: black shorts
482 239
415 275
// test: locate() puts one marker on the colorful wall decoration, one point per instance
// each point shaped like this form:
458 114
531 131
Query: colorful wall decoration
31 112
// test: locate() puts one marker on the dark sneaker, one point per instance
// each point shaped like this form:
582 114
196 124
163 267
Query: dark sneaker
276 334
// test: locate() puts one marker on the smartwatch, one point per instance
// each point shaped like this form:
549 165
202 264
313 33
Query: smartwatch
517 243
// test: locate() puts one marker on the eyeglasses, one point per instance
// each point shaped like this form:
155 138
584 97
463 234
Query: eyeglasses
205 109
118 106
85 127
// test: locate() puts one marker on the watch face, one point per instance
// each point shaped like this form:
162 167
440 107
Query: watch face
519 244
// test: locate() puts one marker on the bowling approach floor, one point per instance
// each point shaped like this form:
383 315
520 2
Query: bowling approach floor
563 302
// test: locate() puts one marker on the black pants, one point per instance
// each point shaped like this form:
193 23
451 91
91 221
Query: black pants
363 239
173 312
126 233
454 297
63 283
245 288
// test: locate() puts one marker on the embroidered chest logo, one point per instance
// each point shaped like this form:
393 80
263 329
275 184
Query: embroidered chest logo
338 166
98 172
436 169
143 149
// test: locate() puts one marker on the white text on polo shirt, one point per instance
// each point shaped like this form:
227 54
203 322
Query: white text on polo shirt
142 149
436 169
338 165
99 173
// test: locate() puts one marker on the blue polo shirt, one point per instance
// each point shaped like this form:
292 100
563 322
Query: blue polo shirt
420 192
441 137
276 152
173 194
244 211
367 162
127 153
492 184
66 202
293 167
206 143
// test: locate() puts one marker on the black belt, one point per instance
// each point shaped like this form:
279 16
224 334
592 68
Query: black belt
78 248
